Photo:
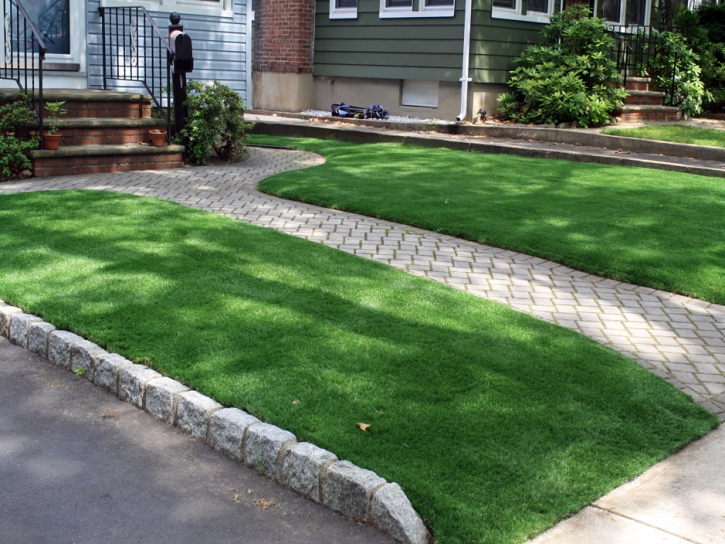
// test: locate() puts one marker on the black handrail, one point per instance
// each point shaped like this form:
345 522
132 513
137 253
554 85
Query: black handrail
23 45
134 49
641 46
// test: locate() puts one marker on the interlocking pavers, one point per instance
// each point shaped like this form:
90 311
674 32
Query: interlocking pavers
656 328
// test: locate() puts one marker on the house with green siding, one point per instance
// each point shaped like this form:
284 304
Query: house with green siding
410 55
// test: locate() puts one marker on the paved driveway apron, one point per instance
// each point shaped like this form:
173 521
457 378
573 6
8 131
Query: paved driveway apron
678 338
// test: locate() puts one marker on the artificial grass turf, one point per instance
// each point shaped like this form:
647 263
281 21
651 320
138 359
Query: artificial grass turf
665 230
496 424
673 133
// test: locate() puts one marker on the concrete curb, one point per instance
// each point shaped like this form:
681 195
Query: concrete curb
381 135
302 467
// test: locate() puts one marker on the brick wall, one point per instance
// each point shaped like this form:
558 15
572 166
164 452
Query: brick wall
284 34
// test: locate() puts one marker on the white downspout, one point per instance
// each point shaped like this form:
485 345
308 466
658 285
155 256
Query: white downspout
466 53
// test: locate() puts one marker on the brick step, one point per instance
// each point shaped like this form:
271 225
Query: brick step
637 84
649 113
94 102
94 159
644 98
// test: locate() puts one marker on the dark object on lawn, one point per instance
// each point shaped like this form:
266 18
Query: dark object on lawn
376 111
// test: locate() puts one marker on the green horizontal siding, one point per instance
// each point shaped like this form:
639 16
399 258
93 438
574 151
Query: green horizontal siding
418 48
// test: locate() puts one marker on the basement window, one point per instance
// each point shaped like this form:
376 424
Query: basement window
420 93
400 9
534 11
343 9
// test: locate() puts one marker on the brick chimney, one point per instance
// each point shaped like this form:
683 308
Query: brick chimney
284 35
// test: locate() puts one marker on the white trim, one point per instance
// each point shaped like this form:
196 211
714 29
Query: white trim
222 8
516 15
249 84
342 13
409 12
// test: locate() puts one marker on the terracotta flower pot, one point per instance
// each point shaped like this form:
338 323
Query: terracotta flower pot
51 141
158 137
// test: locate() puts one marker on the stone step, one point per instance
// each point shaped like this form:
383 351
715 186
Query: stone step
93 159
94 102
649 113
103 131
637 83
644 98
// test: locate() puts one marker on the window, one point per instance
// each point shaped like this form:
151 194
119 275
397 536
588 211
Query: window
217 8
535 11
420 93
343 9
416 8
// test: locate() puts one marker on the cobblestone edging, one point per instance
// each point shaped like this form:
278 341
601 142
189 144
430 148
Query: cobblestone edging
356 493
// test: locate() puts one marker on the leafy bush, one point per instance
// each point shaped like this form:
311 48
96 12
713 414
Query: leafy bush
215 122
13 155
704 32
570 78
689 91
16 114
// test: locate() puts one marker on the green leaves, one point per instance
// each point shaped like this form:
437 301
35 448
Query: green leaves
13 155
568 79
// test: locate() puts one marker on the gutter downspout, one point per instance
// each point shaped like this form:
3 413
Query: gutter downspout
466 53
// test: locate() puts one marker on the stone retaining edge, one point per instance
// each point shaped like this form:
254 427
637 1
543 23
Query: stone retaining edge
358 135
317 474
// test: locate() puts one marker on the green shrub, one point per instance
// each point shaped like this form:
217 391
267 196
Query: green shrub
689 91
215 122
17 114
13 155
570 78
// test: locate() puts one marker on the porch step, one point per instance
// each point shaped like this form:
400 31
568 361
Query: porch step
95 159
644 98
94 102
649 113
637 83
107 131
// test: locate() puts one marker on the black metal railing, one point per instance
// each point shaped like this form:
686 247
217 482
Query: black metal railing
644 52
134 49
23 54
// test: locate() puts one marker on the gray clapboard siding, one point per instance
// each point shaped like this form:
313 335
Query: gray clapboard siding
220 47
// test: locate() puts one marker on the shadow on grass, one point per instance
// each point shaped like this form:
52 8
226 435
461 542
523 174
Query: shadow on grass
496 424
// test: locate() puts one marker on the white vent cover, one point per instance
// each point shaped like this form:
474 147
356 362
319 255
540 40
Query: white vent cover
420 93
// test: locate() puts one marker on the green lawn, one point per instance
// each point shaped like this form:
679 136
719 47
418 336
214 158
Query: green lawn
496 424
648 227
673 133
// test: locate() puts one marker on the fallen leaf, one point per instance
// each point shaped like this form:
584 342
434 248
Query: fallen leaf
381 413
249 491
263 504
235 498
363 426
446 202
295 402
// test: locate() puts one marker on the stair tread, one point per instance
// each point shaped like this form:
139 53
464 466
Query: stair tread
84 95
109 122
104 150
647 107
633 92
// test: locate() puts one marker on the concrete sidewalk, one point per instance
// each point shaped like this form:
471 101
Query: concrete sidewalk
77 465
681 499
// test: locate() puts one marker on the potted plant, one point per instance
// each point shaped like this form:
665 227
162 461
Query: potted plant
51 137
158 137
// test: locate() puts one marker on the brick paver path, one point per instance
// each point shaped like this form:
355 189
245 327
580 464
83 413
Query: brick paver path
677 338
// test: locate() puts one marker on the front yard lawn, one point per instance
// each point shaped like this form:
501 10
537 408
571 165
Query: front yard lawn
673 133
496 424
648 227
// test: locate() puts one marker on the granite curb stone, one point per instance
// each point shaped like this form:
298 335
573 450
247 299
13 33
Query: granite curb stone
265 446
5 313
193 411
59 347
38 336
132 380
227 430
83 358
162 396
107 369
348 489
304 467
392 513
19 326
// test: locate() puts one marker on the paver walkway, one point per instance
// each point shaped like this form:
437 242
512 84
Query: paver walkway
677 338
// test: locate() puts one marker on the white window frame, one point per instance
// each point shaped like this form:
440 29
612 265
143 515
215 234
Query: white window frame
221 8
418 8
517 15
342 13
